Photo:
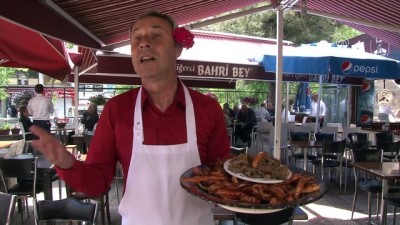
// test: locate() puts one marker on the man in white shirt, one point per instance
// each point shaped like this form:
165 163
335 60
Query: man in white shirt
262 113
314 107
40 108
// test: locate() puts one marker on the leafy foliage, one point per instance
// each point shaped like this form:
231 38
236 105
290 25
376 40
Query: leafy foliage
5 126
98 100
250 101
297 28
119 89
212 95
5 74
22 98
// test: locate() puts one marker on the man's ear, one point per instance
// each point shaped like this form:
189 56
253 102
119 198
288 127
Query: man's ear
178 50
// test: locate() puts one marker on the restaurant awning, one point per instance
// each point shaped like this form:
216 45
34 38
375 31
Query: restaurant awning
118 69
23 48
104 24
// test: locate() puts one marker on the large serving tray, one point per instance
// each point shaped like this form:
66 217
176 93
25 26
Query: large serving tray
233 205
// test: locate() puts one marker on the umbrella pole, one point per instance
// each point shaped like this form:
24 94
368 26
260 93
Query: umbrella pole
318 105
76 99
287 112
348 106
278 80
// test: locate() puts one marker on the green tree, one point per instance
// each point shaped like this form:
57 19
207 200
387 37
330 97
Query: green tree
119 89
5 74
297 29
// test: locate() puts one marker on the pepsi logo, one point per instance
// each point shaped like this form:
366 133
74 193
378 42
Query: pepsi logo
365 119
346 67
366 86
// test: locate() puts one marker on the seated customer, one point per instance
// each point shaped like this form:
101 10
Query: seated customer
90 117
25 121
247 116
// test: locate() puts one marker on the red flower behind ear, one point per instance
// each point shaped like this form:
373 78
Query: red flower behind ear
183 37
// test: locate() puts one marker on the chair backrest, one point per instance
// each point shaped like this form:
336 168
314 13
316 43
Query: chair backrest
324 136
291 127
284 137
311 126
21 127
358 137
366 155
347 130
338 125
18 168
337 147
329 130
299 136
7 208
389 147
264 126
68 209
230 134
382 137
302 128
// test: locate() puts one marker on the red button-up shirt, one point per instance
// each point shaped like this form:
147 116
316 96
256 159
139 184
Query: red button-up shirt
113 141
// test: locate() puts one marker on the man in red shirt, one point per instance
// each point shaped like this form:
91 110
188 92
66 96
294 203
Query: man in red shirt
156 132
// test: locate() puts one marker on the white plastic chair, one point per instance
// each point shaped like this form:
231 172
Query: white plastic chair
348 130
284 141
330 130
339 129
230 134
24 136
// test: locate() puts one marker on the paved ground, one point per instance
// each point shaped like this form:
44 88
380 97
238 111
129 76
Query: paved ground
333 209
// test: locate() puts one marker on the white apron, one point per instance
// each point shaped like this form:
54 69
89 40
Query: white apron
153 195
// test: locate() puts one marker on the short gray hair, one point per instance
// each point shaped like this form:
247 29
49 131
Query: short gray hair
163 16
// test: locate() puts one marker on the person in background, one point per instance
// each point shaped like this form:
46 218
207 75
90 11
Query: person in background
262 113
247 116
90 117
314 107
12 111
228 119
271 110
236 110
24 119
40 108
231 113
135 129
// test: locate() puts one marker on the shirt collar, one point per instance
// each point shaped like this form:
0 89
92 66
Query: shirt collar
179 98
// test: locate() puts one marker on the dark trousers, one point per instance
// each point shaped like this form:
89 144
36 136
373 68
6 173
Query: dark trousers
45 124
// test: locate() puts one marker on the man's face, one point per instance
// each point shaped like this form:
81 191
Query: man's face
153 48
315 98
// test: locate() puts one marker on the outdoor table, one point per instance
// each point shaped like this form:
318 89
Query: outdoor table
61 133
304 146
6 144
385 171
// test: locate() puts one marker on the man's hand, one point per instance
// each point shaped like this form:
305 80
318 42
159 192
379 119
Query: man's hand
51 148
